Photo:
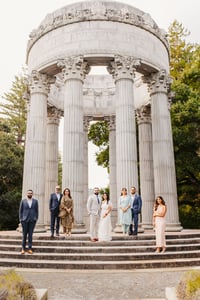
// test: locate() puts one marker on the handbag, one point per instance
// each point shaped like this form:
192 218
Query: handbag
62 213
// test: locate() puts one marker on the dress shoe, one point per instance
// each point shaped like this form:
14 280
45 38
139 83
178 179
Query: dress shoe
96 239
30 251
22 251
92 240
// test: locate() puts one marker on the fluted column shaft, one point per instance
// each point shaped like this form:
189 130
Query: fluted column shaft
52 143
123 69
74 70
26 151
146 165
163 153
112 168
36 143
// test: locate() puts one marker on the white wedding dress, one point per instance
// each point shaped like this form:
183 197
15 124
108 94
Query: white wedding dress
105 226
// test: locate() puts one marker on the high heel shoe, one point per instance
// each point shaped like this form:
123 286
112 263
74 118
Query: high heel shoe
163 249
157 250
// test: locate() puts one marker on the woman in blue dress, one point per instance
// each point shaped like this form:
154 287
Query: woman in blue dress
125 211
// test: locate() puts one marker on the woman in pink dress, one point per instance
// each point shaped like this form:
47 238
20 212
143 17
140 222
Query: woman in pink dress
159 223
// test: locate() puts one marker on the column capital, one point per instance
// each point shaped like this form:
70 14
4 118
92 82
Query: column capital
39 82
53 115
111 122
123 67
159 82
86 122
143 114
74 67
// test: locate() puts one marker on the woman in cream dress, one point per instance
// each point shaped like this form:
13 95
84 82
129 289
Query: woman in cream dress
105 227
159 223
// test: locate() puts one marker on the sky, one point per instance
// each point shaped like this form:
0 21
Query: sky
19 17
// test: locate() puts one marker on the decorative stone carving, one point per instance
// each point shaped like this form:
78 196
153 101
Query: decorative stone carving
74 67
143 114
99 10
123 67
86 122
53 115
111 122
158 82
38 82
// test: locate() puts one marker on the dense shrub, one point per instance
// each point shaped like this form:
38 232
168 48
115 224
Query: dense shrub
14 287
189 286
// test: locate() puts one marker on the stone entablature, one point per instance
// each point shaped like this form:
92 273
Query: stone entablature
99 95
97 10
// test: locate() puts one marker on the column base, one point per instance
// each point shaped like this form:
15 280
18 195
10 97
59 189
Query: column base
173 227
118 228
79 228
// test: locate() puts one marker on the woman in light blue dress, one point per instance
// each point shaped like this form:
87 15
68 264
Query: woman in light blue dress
125 211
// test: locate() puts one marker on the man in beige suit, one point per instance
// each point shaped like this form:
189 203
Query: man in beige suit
93 208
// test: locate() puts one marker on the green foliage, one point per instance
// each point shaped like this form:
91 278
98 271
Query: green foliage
9 203
13 286
14 108
11 167
189 216
185 113
99 135
12 135
189 286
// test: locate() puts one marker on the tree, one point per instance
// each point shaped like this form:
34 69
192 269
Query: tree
99 135
12 134
14 108
185 112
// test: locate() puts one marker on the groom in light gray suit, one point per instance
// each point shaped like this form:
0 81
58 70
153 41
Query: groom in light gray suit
93 208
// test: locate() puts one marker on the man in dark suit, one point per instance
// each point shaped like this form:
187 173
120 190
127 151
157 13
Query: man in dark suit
136 205
28 215
54 204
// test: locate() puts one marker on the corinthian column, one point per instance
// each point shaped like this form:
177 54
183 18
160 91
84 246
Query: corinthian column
123 69
146 164
74 71
53 120
163 153
36 143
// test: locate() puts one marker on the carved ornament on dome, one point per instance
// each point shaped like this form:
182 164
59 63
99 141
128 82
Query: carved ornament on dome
98 10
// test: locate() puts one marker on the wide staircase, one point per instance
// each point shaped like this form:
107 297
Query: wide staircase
122 253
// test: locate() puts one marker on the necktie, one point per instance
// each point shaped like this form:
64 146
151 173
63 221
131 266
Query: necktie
98 199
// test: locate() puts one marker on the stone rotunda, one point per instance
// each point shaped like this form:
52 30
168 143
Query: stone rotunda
134 94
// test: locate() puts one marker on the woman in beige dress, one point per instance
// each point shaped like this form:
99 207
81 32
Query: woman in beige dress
66 212
159 223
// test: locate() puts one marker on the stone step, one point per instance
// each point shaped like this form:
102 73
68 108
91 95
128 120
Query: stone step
98 247
127 256
78 252
81 265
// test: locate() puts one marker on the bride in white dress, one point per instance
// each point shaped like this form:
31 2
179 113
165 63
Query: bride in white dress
105 227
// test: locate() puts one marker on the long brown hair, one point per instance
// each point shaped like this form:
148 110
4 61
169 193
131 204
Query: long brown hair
66 189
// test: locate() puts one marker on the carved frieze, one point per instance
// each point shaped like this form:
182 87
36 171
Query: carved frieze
98 10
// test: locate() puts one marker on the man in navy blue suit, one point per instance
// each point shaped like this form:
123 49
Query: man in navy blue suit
54 204
136 205
28 215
